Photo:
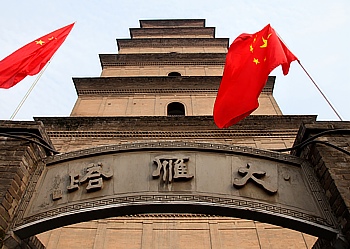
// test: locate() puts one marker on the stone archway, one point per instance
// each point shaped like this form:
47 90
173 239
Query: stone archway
204 178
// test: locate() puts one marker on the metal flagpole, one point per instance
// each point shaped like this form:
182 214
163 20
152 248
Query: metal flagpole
30 90
324 96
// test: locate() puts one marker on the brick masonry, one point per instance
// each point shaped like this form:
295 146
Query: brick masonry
19 158
332 168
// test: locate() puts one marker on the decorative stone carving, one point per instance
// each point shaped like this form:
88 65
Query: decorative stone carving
94 176
211 191
172 167
249 173
56 194
73 182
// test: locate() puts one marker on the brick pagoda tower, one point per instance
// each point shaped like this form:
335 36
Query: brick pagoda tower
161 86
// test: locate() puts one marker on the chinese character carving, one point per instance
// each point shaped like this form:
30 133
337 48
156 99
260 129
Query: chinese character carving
73 182
249 173
56 194
172 167
94 176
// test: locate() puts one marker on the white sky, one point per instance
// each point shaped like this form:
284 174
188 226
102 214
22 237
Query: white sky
317 32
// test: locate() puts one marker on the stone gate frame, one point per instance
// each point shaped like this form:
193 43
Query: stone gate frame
30 160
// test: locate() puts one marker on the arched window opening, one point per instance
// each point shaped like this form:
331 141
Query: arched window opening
176 108
174 74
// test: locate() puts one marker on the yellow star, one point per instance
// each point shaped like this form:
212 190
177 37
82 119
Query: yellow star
40 42
265 43
256 61
255 38
51 38
251 48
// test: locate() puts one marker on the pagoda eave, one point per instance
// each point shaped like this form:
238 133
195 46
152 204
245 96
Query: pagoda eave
162 59
172 23
154 84
254 124
172 42
190 32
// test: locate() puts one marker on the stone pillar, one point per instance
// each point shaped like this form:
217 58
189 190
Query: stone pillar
20 156
332 168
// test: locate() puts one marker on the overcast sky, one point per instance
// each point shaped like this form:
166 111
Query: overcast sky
317 32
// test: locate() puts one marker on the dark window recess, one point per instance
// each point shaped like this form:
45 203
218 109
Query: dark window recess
176 108
174 74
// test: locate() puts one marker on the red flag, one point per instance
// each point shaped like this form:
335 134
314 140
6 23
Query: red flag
31 58
249 61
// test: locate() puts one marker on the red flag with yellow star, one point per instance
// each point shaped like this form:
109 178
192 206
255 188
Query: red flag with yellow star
249 61
31 58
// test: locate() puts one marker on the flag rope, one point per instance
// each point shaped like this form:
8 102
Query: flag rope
29 90
323 95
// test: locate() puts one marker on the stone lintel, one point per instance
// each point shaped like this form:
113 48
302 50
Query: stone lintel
154 84
172 23
173 42
136 33
172 123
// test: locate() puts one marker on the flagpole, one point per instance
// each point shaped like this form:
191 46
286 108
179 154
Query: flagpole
320 91
30 90
312 80
323 95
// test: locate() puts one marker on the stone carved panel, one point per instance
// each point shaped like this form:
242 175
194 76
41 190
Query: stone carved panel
298 194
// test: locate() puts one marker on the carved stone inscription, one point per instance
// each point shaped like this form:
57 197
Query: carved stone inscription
276 187
94 176
172 167
250 173
56 194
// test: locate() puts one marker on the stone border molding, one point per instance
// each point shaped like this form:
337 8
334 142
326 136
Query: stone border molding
175 145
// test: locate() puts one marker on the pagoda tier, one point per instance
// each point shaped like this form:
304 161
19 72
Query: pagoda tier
156 85
172 23
188 32
174 43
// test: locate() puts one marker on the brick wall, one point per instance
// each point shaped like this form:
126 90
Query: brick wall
19 158
175 231
333 170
